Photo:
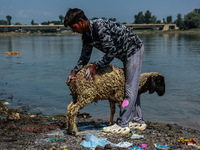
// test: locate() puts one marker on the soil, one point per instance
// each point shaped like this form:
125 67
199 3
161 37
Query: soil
35 131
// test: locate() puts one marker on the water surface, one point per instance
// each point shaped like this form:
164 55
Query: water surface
36 78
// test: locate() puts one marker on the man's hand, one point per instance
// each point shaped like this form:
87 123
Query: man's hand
71 76
90 72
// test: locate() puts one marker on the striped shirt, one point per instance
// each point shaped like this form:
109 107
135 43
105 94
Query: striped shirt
114 39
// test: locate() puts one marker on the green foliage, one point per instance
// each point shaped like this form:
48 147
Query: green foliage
147 18
179 22
153 19
158 21
192 19
3 22
164 21
169 19
94 18
32 22
112 19
61 18
139 18
18 23
9 19
54 22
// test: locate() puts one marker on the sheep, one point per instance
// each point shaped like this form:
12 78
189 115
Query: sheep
108 85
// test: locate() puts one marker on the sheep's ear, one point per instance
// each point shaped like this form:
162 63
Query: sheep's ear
152 85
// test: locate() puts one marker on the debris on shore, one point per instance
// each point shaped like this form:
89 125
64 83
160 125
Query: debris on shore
35 131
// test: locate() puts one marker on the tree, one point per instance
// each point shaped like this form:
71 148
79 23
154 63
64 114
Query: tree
158 21
18 23
153 19
197 11
179 22
192 19
164 20
139 18
112 19
32 22
169 19
3 22
61 18
9 19
94 18
147 16
45 23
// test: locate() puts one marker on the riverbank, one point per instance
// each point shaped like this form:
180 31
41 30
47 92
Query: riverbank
36 131
148 31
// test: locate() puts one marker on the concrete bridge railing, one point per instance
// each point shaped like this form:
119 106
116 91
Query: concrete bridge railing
163 27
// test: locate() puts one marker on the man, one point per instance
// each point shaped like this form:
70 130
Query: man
115 40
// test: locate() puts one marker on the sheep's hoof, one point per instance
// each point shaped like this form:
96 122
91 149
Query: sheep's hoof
68 131
110 123
76 133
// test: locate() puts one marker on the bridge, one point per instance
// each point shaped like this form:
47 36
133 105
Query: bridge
59 28
164 27
25 28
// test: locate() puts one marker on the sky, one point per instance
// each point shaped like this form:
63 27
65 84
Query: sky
24 11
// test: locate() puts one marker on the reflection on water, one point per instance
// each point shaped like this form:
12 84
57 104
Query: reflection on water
37 77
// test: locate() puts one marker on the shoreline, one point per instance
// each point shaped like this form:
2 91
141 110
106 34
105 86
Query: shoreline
191 31
35 131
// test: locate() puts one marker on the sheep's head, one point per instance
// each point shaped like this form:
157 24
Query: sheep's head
157 83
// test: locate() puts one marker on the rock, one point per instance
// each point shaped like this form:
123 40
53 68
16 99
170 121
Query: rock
108 146
98 147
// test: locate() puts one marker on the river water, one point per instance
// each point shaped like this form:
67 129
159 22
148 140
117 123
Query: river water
36 79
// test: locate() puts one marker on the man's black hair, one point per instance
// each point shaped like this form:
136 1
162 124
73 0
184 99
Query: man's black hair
73 15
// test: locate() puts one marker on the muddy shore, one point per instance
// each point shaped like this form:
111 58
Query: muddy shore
36 131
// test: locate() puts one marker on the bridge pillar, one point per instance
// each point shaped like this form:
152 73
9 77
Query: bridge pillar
58 29
166 27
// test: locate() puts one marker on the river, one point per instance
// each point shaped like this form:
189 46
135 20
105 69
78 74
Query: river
36 79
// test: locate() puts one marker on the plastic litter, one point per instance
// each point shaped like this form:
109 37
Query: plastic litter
13 53
122 144
136 148
54 148
6 103
56 132
143 145
194 146
131 133
188 141
136 136
160 146
59 140
91 142
42 141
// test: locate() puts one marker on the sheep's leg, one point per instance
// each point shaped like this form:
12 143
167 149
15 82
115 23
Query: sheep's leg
112 111
68 118
81 103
